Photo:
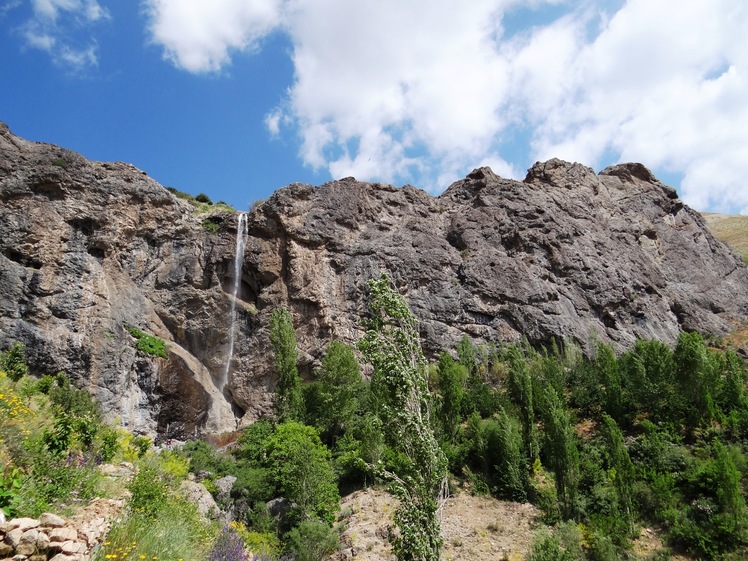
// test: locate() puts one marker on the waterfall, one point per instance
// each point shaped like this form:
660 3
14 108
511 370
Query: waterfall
241 243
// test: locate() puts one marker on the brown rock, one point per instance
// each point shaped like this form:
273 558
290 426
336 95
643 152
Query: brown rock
14 537
50 520
71 547
58 535
5 550
23 523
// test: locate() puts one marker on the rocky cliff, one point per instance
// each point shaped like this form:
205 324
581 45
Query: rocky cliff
88 248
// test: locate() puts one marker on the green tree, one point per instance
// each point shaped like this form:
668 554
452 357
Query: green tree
302 470
288 399
333 401
451 381
12 362
698 376
400 391
521 392
504 463
467 354
561 450
622 469
729 494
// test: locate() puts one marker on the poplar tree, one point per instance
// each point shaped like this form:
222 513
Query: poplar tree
288 399
399 387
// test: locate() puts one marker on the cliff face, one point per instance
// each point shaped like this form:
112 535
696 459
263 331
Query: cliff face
87 248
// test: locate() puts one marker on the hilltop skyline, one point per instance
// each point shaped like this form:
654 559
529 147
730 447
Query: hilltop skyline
238 98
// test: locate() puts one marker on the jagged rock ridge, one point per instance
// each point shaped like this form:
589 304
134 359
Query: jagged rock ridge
87 248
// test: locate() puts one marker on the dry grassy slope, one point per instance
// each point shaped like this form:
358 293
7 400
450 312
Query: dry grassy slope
474 529
731 229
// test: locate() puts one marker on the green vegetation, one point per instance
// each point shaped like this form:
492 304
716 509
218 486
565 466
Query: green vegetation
288 399
604 445
61 162
403 404
148 344
13 362
201 202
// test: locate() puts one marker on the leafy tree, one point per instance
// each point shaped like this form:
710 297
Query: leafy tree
521 392
451 379
12 362
729 494
622 469
561 450
333 401
288 399
391 344
504 462
467 354
696 372
302 469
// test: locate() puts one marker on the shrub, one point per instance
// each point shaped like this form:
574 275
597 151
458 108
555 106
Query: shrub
229 546
175 533
203 198
148 344
313 541
12 362
210 226
141 444
547 547
149 490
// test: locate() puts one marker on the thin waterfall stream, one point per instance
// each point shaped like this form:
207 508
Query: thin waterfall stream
242 231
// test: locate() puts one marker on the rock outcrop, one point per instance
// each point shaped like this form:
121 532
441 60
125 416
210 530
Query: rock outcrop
87 248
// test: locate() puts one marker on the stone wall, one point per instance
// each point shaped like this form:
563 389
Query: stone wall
51 537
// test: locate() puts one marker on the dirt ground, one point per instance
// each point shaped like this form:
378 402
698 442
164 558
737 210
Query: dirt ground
474 528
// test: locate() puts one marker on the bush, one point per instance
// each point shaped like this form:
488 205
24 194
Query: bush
229 546
176 533
149 490
12 362
148 344
547 547
203 198
313 541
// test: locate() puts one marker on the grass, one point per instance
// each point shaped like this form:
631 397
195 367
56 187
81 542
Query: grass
174 534
731 229
148 344
201 207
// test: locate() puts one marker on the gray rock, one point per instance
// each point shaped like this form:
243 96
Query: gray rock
197 493
224 485
87 248
50 520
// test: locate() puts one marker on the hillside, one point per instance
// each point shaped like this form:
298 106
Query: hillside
731 229
93 254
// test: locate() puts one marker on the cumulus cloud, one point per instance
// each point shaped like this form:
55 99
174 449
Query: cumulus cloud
200 36
53 25
422 91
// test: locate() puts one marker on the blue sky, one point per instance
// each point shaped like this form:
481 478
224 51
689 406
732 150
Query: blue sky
236 98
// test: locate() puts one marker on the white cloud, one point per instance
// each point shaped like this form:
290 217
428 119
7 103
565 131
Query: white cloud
422 91
56 25
199 36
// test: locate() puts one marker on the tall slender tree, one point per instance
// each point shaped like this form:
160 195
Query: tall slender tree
399 387
288 399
